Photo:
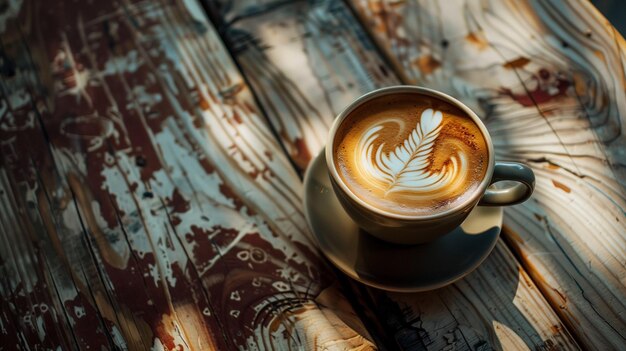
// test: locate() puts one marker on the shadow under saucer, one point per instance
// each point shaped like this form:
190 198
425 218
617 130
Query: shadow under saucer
388 266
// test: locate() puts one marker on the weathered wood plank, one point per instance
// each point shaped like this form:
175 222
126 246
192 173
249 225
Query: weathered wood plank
144 202
283 44
496 307
548 78
317 61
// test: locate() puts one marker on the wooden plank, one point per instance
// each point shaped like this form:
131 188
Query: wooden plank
495 307
304 45
316 62
144 202
548 79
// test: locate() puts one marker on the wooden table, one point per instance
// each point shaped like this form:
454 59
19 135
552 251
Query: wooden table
151 163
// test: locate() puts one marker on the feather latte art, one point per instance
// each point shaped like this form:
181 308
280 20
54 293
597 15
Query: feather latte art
410 154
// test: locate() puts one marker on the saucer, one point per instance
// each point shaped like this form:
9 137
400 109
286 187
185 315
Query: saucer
390 266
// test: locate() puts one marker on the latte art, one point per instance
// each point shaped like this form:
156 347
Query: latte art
410 154
405 170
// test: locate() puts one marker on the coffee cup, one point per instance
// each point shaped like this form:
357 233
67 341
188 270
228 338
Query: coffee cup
409 164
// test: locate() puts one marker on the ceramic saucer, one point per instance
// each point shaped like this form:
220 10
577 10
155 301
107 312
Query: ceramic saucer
390 266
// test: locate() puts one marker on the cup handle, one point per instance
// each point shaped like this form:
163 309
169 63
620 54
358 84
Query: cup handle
513 194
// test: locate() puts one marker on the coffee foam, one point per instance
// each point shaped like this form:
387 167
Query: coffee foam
410 154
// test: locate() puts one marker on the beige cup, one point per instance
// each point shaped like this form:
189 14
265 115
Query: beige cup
404 229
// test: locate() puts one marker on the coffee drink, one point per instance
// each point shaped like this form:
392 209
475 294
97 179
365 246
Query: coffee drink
410 154
409 164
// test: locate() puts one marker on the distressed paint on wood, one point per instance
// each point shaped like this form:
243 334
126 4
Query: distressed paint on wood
548 79
495 307
144 202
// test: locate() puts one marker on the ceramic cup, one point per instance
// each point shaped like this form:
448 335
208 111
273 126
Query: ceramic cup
405 229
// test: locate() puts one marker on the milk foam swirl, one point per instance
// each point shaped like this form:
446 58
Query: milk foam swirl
406 170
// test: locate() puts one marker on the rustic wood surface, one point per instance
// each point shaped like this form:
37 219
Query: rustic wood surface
305 62
548 78
144 203
147 201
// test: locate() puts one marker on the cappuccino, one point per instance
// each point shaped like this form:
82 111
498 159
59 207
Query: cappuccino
410 154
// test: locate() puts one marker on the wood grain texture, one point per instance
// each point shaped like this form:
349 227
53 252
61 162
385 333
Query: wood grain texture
548 79
305 61
144 202
497 306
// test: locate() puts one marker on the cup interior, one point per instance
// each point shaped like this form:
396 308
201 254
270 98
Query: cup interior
470 201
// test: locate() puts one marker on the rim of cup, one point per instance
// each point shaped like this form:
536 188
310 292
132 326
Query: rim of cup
330 145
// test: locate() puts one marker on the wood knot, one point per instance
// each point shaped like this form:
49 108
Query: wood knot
231 91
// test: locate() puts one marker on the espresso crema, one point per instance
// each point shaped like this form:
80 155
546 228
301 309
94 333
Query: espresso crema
410 154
